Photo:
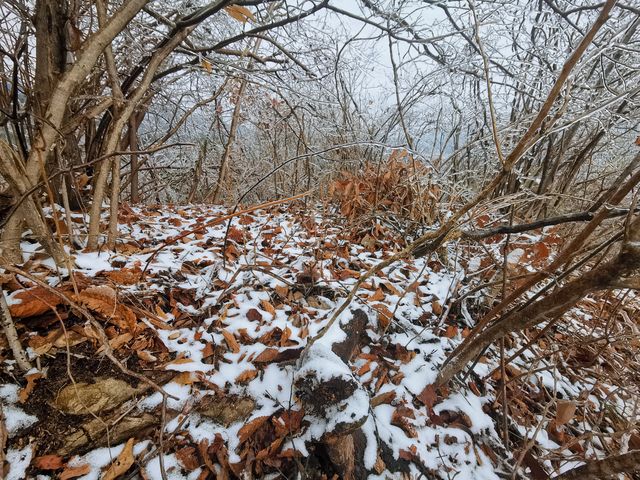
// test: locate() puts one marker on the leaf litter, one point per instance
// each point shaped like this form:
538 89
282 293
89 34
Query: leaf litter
227 323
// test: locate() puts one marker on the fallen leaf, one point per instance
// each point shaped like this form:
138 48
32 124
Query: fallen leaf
122 463
247 376
254 315
428 396
48 462
206 64
73 472
188 458
240 13
266 356
378 296
383 398
566 409
32 302
250 428
267 307
436 307
231 341
103 300
384 315
32 378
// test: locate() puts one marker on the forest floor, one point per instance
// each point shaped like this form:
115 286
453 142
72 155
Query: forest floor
206 376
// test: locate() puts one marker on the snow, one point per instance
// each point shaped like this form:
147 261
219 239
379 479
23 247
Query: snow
93 262
407 356
18 461
15 418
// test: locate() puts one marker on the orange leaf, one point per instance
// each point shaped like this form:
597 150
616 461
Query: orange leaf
436 307
188 458
246 376
451 331
48 462
231 341
365 368
103 300
121 464
378 296
73 472
387 398
565 411
250 428
384 315
266 356
428 396
267 307
240 13
31 384
34 301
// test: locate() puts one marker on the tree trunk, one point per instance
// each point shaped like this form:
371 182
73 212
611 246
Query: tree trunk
13 340
605 468
605 276
133 146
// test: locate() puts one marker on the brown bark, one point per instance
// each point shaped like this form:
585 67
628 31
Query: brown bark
605 276
114 139
133 146
605 468
13 340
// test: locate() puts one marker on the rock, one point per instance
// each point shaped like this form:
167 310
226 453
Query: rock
91 398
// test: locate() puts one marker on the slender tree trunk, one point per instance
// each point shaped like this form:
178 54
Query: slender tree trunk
133 146
113 139
13 340
605 468
605 276
10 251
228 148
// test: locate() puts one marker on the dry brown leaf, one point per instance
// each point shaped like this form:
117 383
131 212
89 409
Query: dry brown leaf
188 458
231 341
238 235
247 376
436 307
384 315
250 428
282 290
240 13
32 378
254 315
267 307
102 299
73 472
122 463
386 397
451 331
566 409
34 301
48 462
266 356
146 356
428 396
125 276
207 66
378 296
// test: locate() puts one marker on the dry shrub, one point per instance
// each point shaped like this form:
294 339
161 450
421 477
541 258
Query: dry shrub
400 188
